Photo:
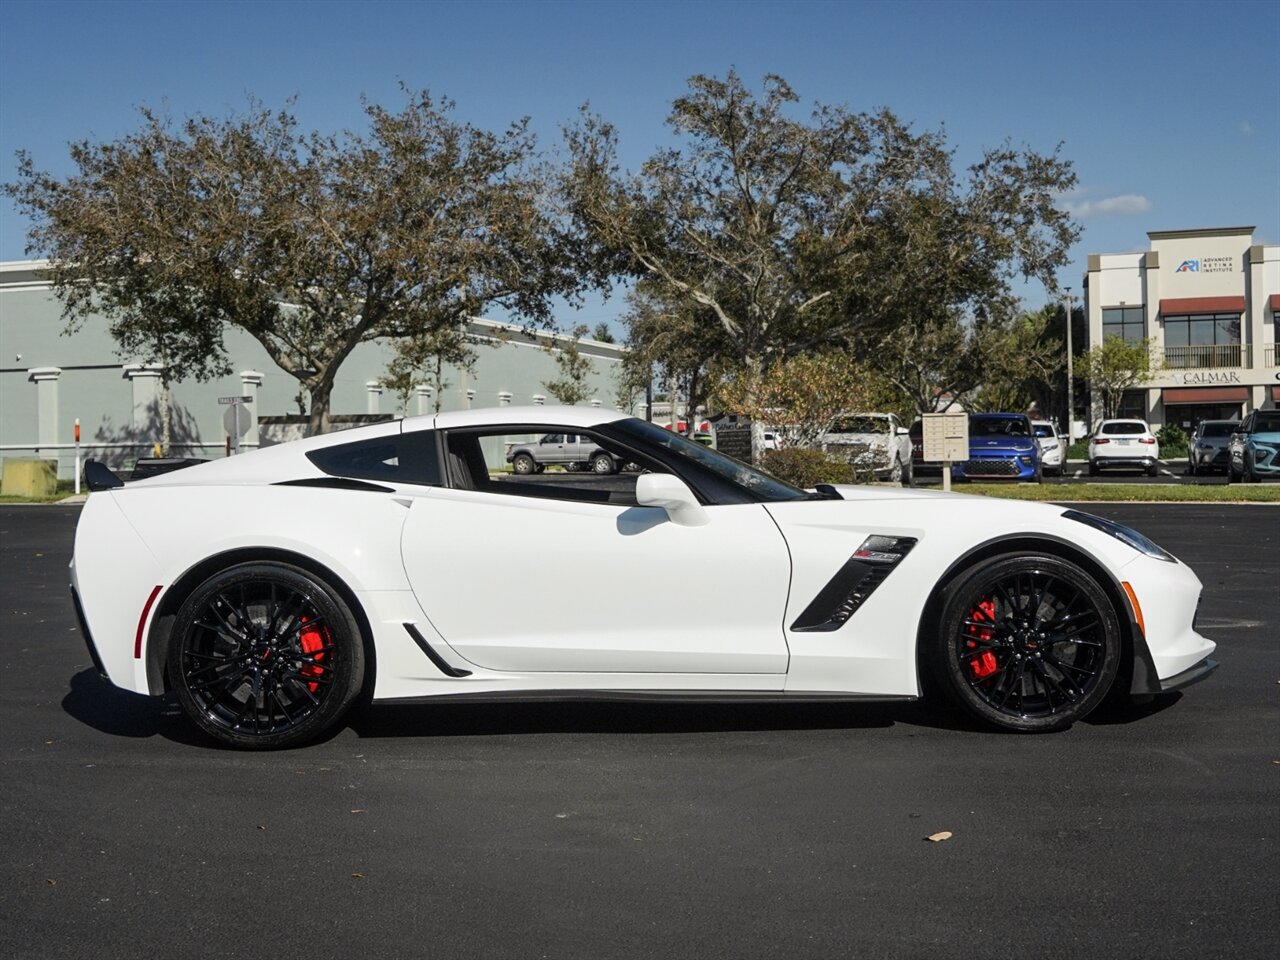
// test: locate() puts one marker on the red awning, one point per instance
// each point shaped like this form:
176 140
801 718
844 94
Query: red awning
1182 305
1205 395
1275 303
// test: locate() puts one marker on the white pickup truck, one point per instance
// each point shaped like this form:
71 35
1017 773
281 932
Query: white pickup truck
872 441
569 450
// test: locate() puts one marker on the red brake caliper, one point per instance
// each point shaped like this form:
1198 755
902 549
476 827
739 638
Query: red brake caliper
984 664
312 642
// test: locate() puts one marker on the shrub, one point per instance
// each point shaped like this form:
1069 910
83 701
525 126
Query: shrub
1173 440
803 467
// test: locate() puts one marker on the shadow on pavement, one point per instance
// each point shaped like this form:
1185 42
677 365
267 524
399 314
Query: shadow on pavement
118 713
487 719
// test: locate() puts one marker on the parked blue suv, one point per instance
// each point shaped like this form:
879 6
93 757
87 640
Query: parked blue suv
1254 449
1002 446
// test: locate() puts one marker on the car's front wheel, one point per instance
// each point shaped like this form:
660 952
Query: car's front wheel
265 655
1251 474
1027 642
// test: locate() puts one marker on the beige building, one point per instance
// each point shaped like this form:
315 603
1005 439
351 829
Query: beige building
1210 301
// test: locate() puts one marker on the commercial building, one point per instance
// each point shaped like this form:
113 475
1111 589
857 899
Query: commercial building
49 380
1210 302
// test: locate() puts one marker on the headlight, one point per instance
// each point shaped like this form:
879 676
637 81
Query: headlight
1118 530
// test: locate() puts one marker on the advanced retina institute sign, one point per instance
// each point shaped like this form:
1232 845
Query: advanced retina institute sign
1208 265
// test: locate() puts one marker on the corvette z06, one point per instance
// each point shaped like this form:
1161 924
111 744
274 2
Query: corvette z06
266 592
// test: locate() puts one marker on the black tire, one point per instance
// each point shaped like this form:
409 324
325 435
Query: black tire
1191 468
1251 475
1153 470
265 655
1026 642
909 475
523 464
1039 477
1093 468
603 464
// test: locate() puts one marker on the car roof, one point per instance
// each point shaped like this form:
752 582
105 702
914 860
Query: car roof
999 416
559 415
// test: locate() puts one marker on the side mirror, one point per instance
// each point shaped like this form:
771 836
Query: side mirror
903 432
673 495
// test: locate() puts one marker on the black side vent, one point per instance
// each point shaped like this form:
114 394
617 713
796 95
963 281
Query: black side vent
441 663
840 599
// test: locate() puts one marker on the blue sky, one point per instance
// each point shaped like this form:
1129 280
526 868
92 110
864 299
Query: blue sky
1170 111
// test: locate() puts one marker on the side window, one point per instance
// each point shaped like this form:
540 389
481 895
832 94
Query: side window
500 460
399 458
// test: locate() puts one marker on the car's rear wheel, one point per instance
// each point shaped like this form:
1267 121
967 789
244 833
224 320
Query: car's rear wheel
1153 470
523 464
1027 642
265 655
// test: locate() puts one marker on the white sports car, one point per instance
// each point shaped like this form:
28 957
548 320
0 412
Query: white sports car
267 591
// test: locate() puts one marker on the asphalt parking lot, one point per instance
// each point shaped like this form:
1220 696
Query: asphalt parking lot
646 830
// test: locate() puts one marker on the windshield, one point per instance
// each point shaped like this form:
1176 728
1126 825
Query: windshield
860 425
1219 428
1268 422
756 485
997 427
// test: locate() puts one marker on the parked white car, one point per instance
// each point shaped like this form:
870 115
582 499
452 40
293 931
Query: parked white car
1127 444
1053 448
875 441
268 592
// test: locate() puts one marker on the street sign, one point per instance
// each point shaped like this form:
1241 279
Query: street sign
243 399
237 420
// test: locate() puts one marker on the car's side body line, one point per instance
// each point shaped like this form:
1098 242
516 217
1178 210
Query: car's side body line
658 696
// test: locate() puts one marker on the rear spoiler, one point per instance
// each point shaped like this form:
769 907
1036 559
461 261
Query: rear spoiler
98 476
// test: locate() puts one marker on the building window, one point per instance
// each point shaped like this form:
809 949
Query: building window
1133 405
1127 323
1202 340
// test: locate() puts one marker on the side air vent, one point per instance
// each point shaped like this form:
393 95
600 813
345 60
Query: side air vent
441 663
848 590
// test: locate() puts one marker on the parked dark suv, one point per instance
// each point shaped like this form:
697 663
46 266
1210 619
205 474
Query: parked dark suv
1207 448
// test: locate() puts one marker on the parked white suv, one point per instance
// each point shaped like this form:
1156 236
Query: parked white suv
1053 447
1126 444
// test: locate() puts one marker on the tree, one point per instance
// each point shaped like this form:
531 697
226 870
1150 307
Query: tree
794 235
430 352
571 386
931 364
801 396
671 341
1114 366
1021 361
602 333
311 243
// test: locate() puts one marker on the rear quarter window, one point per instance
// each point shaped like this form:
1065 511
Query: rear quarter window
399 458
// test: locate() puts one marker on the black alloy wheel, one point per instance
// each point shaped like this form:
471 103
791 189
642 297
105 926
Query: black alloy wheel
264 655
1027 643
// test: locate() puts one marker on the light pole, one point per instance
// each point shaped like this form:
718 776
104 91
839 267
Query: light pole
1071 393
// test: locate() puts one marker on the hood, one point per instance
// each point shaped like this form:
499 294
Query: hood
980 445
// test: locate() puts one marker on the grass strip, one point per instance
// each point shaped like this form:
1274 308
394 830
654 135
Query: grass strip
1128 492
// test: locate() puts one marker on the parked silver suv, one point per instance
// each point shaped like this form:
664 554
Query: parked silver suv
569 450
